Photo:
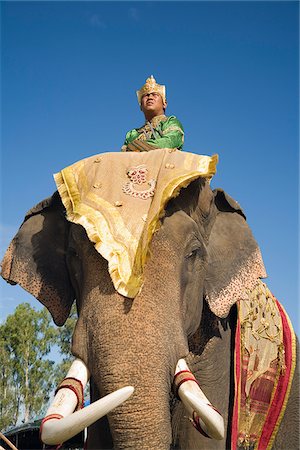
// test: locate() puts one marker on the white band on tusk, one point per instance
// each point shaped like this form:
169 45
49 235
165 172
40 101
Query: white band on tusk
55 430
203 415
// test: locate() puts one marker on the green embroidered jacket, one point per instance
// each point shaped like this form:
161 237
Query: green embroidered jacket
161 132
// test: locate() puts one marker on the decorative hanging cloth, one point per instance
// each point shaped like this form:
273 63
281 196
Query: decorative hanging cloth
265 359
119 199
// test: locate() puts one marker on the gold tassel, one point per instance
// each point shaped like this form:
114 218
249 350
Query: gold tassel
281 359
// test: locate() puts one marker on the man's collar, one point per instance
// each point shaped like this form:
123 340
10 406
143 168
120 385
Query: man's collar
154 122
156 119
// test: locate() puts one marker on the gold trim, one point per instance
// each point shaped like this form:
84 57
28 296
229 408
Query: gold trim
173 128
125 267
157 119
98 231
238 385
288 390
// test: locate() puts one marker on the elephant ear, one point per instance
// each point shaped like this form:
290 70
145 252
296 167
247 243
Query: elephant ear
234 258
36 258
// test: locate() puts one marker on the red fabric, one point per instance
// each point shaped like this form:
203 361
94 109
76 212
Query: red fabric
260 392
261 389
283 382
237 374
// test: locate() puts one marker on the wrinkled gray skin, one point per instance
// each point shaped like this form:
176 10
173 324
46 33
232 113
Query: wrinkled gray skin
138 342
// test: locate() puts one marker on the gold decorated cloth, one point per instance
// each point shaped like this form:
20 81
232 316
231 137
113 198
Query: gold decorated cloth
265 359
119 198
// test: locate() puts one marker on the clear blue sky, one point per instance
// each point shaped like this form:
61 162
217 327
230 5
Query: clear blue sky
69 75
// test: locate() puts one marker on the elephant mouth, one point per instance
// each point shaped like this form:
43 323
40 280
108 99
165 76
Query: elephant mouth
61 422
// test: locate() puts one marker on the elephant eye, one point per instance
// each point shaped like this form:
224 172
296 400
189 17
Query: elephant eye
193 253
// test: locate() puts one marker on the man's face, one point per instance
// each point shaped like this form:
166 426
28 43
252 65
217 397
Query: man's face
152 104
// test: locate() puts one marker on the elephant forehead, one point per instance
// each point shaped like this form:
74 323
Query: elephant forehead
179 228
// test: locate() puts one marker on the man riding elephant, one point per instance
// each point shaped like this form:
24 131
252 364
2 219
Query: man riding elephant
166 276
159 131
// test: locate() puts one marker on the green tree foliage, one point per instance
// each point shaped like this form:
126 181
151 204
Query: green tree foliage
27 377
8 392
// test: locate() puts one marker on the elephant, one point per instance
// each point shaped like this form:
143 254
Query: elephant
202 243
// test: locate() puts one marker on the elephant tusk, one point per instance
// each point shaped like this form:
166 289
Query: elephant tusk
55 430
66 400
203 415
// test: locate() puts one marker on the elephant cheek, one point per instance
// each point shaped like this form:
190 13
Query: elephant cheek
192 300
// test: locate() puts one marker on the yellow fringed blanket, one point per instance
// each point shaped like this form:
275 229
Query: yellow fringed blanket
119 198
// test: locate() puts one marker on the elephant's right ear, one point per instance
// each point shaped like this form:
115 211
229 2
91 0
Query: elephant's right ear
36 258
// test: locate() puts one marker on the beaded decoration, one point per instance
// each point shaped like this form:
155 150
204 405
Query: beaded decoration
138 176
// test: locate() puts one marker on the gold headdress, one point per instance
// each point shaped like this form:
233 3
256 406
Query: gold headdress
151 86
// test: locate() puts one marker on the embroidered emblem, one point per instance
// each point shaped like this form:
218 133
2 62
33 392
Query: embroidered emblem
138 176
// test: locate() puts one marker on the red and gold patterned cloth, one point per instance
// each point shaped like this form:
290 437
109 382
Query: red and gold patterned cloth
265 359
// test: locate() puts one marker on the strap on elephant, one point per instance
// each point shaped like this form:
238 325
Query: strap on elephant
76 386
45 419
195 421
180 378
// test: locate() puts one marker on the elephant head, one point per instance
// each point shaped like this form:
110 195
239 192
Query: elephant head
202 260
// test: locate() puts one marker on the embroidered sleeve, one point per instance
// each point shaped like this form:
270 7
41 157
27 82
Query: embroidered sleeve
172 135
130 136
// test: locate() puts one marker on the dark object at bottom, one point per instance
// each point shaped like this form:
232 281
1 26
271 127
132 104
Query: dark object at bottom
26 437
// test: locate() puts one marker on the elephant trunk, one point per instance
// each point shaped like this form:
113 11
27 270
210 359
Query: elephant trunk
144 422
133 342
143 354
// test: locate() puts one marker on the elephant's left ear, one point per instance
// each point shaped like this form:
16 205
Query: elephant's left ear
234 258
36 258
226 203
